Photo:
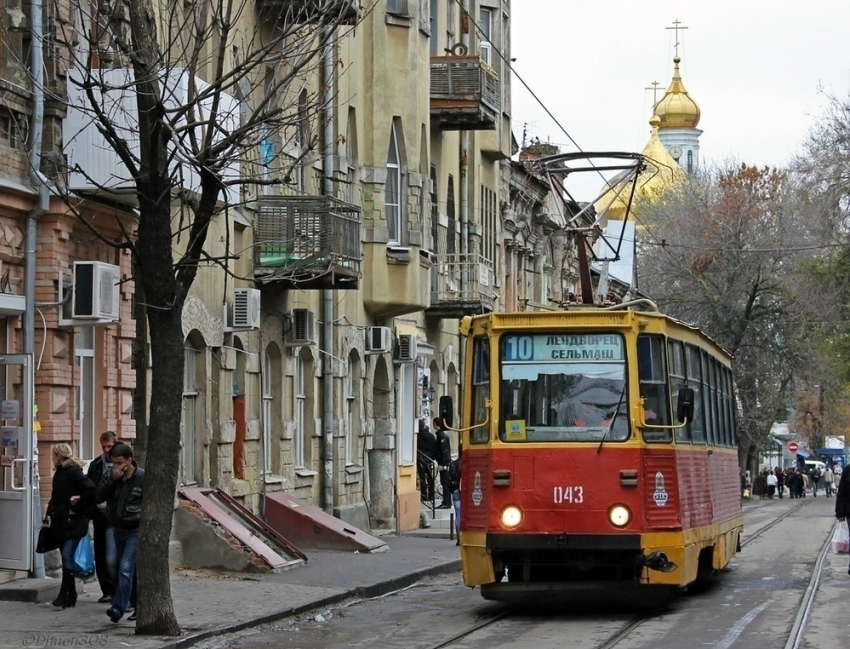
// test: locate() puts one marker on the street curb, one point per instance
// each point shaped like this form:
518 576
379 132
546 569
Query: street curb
373 590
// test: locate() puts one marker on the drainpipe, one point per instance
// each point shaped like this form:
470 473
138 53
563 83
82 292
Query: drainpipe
464 158
327 337
41 206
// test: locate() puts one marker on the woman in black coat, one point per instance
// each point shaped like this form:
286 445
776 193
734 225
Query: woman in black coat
842 498
72 496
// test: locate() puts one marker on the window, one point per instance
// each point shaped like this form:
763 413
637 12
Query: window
563 388
434 24
392 191
349 189
676 357
652 374
480 389
272 417
352 410
84 359
398 7
695 381
451 245
690 161
300 414
485 47
190 404
435 209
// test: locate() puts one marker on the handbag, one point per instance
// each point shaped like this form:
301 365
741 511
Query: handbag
84 558
841 538
47 540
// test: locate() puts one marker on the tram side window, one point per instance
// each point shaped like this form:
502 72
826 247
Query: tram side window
480 389
676 357
729 400
653 387
716 407
695 381
714 427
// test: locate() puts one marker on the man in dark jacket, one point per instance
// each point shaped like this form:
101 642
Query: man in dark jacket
121 489
426 445
104 545
444 459
842 499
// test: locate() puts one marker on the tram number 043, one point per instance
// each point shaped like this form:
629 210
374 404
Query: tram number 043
573 495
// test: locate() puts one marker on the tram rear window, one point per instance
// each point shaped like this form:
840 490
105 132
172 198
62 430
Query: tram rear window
563 388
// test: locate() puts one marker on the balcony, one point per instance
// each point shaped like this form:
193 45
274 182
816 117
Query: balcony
343 12
464 94
461 285
307 242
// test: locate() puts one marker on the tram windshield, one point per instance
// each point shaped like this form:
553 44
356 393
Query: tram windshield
563 388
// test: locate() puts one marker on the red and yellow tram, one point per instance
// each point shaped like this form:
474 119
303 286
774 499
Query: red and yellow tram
598 448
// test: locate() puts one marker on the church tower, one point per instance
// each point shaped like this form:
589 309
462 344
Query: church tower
679 115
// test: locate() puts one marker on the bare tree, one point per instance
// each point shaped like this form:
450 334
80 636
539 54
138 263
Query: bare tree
722 250
199 102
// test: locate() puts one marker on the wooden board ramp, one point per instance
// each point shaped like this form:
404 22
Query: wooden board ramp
312 528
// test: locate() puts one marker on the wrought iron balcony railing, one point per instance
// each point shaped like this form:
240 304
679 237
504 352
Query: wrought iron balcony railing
464 94
307 241
461 284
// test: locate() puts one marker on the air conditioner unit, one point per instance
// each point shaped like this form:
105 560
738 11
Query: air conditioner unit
302 329
246 309
406 350
379 340
96 290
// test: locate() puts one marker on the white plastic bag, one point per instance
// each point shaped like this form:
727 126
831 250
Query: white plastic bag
841 538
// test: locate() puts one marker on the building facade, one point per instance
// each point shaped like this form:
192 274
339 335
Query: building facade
330 329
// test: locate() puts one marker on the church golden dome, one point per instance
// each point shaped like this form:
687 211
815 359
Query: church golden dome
660 173
676 109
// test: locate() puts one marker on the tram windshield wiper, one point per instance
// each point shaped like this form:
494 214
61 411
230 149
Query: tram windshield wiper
613 418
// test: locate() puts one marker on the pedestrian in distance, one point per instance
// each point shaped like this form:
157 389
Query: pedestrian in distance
771 484
814 478
444 459
828 481
122 490
104 543
760 484
70 502
780 480
842 499
426 455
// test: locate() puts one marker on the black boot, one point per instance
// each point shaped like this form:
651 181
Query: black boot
62 597
72 589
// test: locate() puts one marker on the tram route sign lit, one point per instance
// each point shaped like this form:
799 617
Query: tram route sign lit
793 447
562 347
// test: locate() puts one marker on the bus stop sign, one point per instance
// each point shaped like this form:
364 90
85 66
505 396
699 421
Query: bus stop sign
793 447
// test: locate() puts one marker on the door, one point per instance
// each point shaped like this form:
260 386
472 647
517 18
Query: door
18 491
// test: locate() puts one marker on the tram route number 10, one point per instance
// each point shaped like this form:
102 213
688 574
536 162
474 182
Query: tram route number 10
573 495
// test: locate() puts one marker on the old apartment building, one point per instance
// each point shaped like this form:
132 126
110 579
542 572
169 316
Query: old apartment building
389 214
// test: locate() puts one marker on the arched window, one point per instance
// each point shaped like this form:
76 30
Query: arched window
392 190
353 399
272 413
303 393
193 382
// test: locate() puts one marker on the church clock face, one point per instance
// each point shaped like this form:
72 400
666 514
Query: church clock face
675 151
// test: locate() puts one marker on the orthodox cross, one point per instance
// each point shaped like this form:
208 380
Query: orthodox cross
677 26
654 88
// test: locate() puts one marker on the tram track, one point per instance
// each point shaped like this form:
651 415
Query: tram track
624 630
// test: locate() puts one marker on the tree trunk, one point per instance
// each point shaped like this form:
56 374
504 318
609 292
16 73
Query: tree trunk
156 610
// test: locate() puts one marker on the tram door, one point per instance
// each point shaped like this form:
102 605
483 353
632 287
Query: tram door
16 492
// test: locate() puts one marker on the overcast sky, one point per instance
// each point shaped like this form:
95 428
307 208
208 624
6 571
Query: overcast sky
760 71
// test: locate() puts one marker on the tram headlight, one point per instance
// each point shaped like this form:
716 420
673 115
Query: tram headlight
619 515
511 516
